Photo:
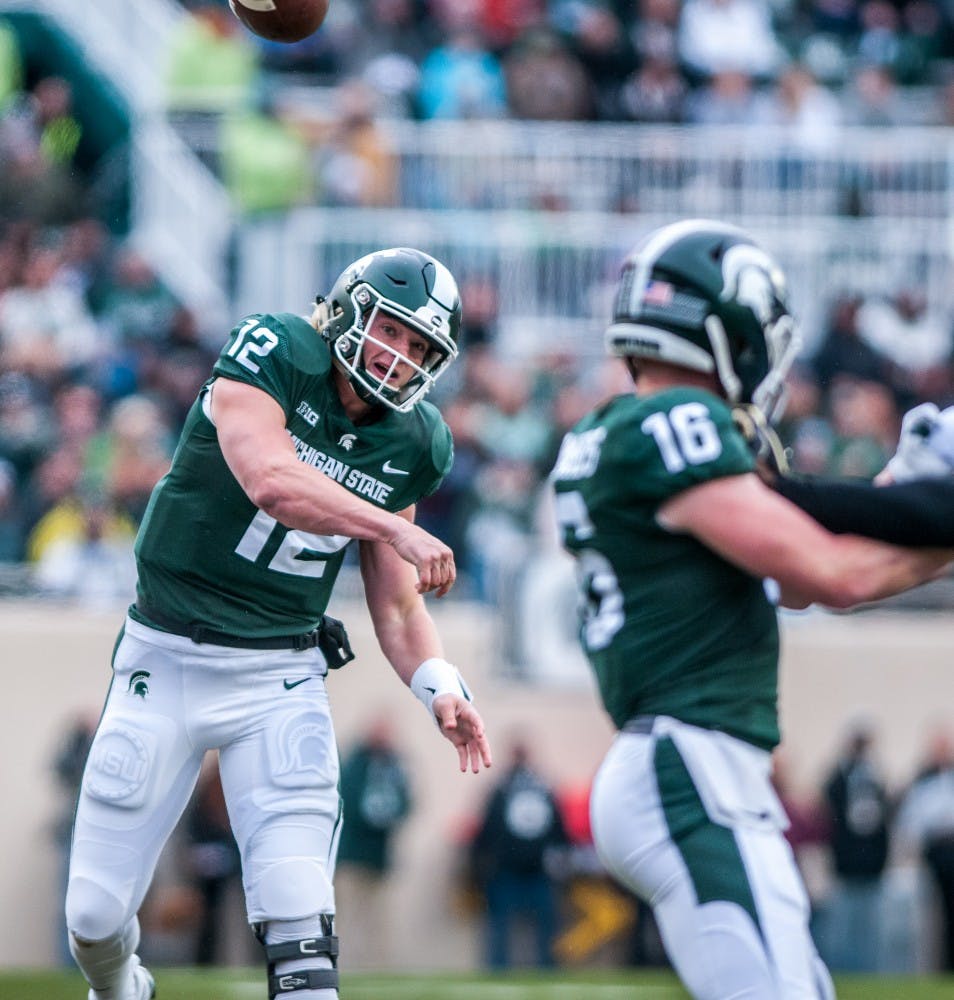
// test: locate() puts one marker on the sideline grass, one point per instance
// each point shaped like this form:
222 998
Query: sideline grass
222 984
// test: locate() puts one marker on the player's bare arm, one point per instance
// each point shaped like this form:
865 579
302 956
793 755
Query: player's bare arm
261 456
759 531
408 638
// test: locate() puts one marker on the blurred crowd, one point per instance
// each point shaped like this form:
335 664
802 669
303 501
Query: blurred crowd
814 63
877 856
99 362
312 122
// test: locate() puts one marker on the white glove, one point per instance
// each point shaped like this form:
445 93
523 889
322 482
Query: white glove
926 445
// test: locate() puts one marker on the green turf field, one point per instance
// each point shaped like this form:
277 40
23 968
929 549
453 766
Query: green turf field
596 985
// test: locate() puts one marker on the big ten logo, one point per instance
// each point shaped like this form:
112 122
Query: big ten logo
118 766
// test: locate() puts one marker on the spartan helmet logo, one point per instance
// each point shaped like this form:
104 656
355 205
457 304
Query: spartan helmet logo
751 277
137 683
347 441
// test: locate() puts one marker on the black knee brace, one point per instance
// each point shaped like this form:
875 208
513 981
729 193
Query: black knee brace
304 979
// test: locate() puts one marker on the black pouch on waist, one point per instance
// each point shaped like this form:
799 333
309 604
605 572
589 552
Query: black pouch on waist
333 643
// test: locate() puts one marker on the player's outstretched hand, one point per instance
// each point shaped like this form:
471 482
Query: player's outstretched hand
461 723
433 559
925 447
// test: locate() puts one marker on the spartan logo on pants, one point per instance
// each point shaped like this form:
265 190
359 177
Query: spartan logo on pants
302 751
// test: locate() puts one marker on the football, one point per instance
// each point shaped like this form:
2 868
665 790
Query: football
281 20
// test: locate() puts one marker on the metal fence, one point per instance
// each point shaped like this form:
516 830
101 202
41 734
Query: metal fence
554 272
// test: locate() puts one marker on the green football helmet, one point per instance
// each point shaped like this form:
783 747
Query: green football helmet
413 288
705 296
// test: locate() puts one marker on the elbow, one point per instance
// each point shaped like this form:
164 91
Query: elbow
843 591
268 492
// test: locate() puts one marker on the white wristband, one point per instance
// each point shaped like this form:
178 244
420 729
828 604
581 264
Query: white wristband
435 677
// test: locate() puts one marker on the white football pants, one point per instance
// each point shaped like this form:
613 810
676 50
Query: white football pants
687 818
170 701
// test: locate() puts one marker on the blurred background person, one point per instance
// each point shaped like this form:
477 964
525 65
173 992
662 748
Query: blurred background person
925 827
860 815
375 801
515 857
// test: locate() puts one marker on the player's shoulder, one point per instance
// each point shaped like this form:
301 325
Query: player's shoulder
666 441
426 429
305 347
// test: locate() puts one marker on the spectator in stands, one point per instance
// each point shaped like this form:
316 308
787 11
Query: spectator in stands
719 36
860 812
871 98
77 410
178 368
92 563
726 98
265 159
11 516
388 50
809 112
604 49
137 307
45 328
86 255
546 80
461 78
925 827
653 27
503 22
865 420
11 64
655 92
376 801
843 351
39 139
26 425
355 162
513 860
130 454
212 64
61 511
916 342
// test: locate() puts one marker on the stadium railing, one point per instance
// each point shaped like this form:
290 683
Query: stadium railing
554 272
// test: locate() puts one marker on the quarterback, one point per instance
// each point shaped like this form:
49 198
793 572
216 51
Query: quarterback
309 433
683 554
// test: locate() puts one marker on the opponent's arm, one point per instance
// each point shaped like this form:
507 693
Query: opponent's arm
916 513
910 503
260 453
408 638
762 533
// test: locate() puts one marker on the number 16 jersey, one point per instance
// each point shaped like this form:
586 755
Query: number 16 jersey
206 555
670 627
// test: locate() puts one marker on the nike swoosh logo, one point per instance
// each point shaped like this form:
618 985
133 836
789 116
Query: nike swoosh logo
388 467
293 684
432 690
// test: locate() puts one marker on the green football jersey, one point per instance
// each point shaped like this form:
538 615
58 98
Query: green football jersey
207 555
670 627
